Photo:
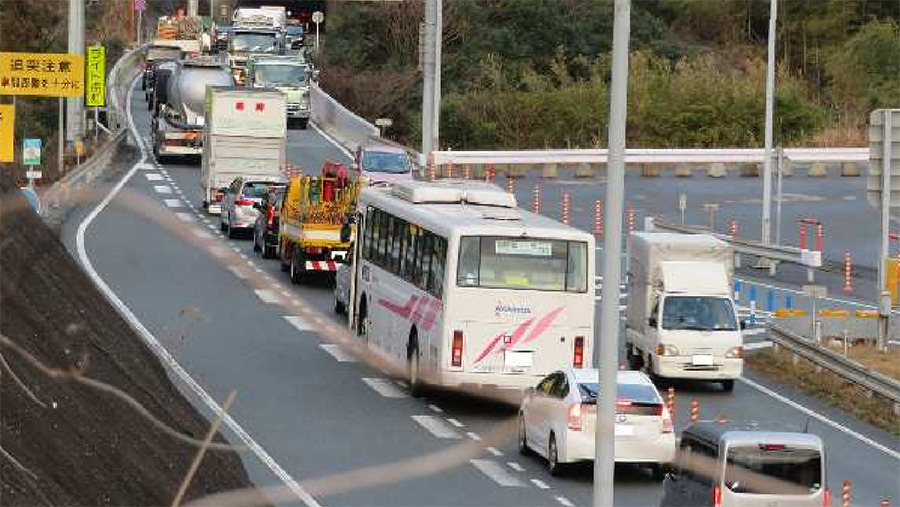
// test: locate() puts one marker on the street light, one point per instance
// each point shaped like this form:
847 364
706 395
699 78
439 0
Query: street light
770 105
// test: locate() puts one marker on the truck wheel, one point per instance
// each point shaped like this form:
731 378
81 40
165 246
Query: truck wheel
728 385
268 251
296 268
303 124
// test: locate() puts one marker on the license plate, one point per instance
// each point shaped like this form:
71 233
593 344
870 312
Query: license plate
623 430
518 359
704 360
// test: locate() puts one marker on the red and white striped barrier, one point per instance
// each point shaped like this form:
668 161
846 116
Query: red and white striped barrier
321 266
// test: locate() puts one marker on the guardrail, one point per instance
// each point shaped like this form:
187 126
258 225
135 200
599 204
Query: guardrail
851 371
348 128
648 156
808 258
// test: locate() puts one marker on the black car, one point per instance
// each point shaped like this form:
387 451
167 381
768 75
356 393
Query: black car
265 230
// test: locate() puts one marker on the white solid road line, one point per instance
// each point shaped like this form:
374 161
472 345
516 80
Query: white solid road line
239 272
151 340
515 466
338 353
494 451
474 436
497 473
153 177
173 203
754 331
162 189
298 323
384 387
822 418
539 483
436 426
564 501
185 217
333 141
436 408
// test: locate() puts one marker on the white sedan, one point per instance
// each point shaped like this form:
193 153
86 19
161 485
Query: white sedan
557 420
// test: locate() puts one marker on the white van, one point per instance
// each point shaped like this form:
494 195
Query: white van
747 465
681 319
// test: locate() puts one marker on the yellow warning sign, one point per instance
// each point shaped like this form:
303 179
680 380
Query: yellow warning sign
42 74
95 93
7 124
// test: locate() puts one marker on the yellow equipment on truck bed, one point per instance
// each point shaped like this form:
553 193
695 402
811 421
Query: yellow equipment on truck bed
317 228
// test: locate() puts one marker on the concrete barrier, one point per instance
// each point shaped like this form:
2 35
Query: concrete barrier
651 170
750 170
717 170
683 171
787 168
339 122
817 170
550 171
584 170
850 169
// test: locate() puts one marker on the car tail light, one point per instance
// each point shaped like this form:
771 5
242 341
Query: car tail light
270 215
218 197
735 352
575 417
668 427
771 447
622 403
457 349
717 496
578 357
826 498
243 202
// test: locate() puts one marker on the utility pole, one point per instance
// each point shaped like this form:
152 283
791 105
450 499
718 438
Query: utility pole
75 109
193 8
604 439
770 105
428 80
438 43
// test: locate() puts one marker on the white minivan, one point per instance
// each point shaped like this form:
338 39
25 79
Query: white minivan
747 465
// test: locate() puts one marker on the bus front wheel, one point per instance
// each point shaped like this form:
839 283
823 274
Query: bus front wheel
412 362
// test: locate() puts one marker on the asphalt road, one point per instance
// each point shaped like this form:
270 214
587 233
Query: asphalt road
317 412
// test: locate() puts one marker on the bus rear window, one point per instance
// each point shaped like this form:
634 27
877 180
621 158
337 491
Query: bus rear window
773 469
518 263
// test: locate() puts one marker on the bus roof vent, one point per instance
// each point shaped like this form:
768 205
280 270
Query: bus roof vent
505 214
454 191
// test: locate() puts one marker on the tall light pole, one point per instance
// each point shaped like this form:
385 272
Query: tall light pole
438 43
604 444
770 105
428 77
75 105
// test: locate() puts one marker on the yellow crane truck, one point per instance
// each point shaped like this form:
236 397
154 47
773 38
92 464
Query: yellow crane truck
317 226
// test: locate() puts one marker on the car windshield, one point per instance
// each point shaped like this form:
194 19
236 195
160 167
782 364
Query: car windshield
294 31
254 42
751 469
385 162
259 189
698 313
515 263
280 74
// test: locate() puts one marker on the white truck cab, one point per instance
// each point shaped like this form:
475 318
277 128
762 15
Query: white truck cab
681 319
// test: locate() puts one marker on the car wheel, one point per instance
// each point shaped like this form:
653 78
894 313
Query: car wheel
296 270
256 247
268 251
232 234
658 470
553 464
728 385
413 372
523 437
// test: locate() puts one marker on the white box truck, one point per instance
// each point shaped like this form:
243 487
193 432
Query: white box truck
681 320
245 135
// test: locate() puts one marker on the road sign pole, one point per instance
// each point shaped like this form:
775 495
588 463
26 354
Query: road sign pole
61 139
604 439
438 42
779 180
770 105
75 116
887 140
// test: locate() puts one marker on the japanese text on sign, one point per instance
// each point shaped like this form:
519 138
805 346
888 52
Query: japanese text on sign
42 74
7 123
95 93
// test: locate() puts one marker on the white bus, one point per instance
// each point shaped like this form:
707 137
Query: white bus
467 289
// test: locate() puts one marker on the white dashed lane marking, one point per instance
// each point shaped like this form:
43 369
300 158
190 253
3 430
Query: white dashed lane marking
338 353
497 473
200 233
267 296
238 272
758 345
564 501
162 189
515 466
474 436
455 422
539 483
436 426
384 387
173 203
298 323
494 451
153 177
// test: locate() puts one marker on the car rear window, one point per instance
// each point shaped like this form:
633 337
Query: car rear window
259 189
636 393
773 469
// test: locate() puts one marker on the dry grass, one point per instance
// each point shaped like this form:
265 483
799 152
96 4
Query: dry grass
887 363
826 386
839 135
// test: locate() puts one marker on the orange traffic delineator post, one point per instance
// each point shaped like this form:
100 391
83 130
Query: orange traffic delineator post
885 502
598 218
848 272
695 410
802 237
846 491
565 208
632 219
670 402
820 234
536 200
490 173
733 227
467 172
449 171
510 185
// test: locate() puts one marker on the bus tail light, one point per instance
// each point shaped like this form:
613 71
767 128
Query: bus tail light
575 417
578 358
717 496
456 351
